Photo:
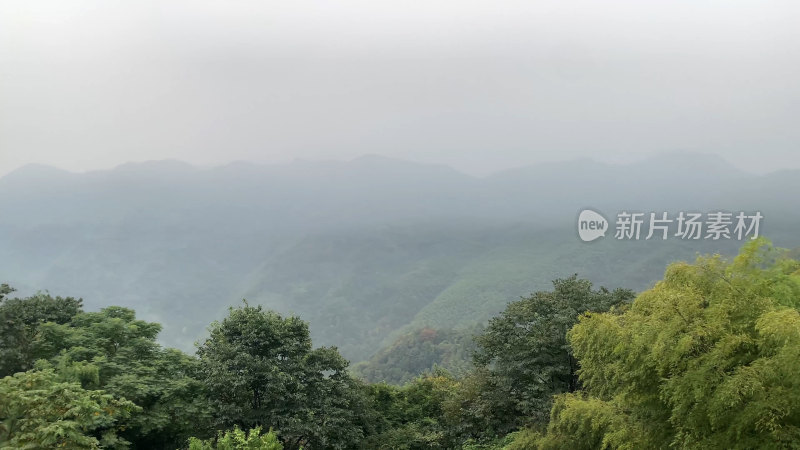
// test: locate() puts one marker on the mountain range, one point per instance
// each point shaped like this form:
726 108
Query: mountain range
363 249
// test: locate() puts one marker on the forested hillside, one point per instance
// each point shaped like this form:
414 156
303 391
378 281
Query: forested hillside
365 250
706 358
422 351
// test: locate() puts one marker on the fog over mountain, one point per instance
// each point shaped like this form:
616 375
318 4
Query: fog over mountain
90 84
362 249
359 224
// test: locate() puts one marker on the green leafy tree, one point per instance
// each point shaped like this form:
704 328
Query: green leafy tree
39 410
261 370
19 327
708 358
413 416
5 289
524 359
237 439
114 351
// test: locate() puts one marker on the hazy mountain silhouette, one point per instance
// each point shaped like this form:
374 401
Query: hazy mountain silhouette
363 248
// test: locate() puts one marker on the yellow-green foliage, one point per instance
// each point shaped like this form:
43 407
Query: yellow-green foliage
238 439
708 358
524 439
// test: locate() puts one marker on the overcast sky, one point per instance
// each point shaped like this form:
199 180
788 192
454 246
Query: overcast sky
478 85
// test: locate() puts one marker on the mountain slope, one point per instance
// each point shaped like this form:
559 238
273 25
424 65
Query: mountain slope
365 250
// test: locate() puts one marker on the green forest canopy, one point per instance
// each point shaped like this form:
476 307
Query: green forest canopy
707 358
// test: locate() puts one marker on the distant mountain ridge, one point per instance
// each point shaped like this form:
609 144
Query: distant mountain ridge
364 249
703 162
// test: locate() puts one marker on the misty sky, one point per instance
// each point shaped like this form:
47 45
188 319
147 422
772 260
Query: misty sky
476 85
